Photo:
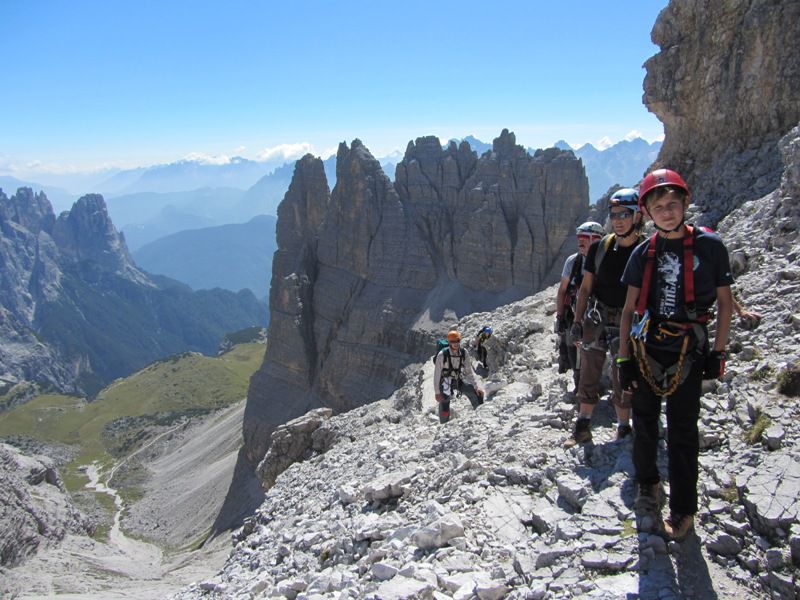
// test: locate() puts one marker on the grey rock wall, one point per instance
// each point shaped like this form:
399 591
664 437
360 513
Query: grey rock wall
725 84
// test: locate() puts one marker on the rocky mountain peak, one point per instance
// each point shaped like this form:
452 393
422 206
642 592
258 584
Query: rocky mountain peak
86 233
302 216
505 145
725 84
31 211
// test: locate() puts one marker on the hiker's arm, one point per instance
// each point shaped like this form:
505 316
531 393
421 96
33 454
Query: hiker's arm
737 308
625 321
583 295
437 375
561 296
724 312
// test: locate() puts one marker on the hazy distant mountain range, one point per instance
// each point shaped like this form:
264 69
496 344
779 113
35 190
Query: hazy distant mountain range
60 198
185 175
263 184
150 205
231 257
477 145
624 163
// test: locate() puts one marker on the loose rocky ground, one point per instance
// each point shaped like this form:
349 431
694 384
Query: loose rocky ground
390 504
491 505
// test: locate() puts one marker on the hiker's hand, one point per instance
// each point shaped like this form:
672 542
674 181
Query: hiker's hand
714 367
480 393
439 397
576 332
749 320
626 370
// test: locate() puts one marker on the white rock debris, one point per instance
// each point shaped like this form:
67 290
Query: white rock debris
491 505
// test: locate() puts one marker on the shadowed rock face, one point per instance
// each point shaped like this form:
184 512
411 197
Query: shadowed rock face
725 84
364 276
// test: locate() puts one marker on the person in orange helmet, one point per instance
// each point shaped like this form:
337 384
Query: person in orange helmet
453 367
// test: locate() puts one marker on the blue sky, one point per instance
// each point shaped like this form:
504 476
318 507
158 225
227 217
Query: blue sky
91 83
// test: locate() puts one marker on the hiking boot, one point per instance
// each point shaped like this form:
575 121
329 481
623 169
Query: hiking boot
648 498
444 411
623 431
582 434
678 526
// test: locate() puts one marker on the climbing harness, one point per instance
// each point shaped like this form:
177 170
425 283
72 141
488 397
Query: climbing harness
667 335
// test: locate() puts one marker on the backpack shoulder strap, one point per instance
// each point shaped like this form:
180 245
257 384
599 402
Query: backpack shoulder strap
649 265
577 268
605 244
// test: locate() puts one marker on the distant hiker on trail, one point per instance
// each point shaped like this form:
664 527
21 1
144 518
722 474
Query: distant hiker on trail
571 277
453 366
598 311
673 280
484 334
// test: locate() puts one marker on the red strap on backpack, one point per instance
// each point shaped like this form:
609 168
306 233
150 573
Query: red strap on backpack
688 271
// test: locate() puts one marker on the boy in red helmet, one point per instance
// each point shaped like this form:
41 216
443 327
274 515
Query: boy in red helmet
673 280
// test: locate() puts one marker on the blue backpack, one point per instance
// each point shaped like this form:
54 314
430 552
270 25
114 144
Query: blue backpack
441 344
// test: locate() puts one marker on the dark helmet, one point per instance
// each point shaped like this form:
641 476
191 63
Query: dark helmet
626 198
660 178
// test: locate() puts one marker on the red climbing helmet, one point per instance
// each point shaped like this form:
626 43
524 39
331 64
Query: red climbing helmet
660 178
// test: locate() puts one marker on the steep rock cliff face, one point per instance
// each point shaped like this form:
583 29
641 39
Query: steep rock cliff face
725 84
364 276
86 233
76 312
35 507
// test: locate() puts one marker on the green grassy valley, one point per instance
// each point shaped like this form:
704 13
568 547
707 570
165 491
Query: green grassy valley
131 411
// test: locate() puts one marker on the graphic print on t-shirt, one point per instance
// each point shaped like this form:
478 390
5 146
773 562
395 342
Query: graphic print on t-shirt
669 270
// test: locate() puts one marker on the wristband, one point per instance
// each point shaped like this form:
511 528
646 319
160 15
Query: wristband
622 359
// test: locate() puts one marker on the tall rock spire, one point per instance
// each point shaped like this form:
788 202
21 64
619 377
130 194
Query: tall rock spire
365 275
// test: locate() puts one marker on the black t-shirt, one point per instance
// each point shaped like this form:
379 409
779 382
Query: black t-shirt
607 285
666 297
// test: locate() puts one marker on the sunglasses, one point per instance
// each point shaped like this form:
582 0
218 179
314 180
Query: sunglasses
621 215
